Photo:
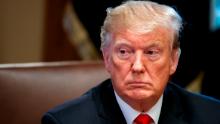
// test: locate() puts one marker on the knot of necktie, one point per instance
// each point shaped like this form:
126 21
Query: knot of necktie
142 119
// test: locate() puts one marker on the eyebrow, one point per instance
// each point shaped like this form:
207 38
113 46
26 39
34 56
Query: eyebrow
155 44
124 42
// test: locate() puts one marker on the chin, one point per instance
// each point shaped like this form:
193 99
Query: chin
140 94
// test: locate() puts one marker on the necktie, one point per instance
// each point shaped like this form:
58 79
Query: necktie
142 119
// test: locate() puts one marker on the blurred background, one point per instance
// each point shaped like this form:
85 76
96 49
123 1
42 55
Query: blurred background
65 30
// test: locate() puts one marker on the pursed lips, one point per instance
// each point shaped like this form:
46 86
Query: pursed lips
138 83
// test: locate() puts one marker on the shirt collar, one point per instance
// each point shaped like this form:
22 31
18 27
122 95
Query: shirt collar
130 114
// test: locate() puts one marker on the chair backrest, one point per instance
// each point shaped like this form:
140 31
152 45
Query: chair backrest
28 90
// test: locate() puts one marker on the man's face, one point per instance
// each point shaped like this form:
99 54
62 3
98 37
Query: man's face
140 65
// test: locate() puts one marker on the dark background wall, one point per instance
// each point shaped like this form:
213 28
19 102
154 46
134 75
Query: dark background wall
198 42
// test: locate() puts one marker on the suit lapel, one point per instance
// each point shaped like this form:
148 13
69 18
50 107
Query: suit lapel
172 111
172 108
107 105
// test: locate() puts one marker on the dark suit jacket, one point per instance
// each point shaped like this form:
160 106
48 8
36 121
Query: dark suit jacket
99 106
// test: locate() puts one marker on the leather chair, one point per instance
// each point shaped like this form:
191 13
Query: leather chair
28 90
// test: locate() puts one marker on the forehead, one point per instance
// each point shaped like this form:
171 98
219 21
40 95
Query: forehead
159 36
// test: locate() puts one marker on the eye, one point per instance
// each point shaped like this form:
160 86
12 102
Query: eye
124 53
153 54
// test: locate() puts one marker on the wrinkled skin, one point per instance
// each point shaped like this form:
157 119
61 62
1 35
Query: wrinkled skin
140 65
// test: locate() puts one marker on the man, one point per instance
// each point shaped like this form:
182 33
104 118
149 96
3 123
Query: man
141 51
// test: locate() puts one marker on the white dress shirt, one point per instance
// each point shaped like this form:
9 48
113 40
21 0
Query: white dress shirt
130 114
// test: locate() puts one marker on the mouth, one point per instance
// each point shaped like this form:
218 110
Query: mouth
138 84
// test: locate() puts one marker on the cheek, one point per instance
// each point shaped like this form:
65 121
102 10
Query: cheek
119 68
119 72
160 72
162 69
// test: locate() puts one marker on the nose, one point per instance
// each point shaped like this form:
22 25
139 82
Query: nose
138 65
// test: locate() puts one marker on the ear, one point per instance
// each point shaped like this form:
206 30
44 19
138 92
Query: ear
174 60
106 57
